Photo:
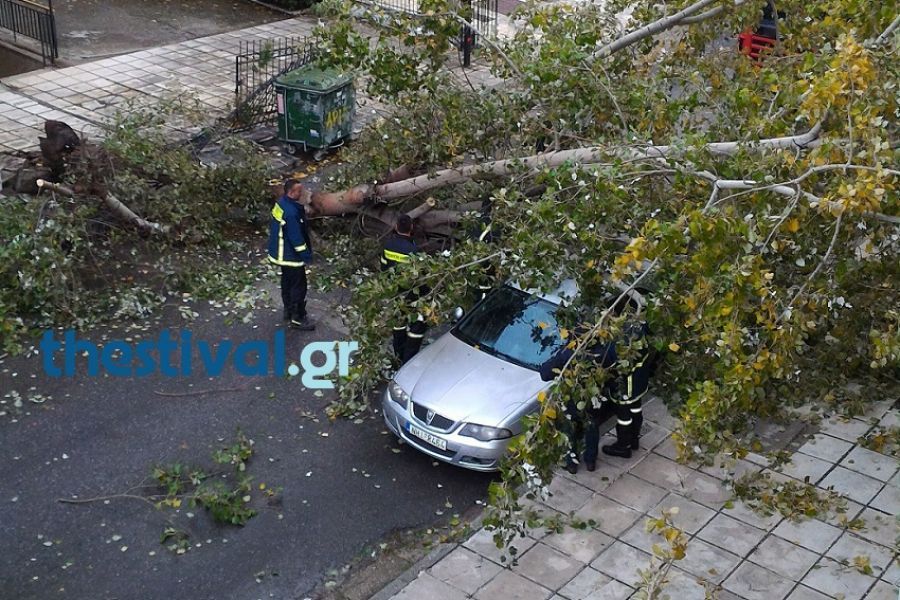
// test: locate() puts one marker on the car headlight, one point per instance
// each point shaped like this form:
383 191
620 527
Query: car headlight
397 394
484 433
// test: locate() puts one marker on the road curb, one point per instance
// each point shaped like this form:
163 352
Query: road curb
426 562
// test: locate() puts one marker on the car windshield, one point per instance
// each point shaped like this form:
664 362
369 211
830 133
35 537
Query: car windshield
516 326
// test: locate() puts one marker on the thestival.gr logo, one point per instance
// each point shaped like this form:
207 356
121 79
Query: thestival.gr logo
259 358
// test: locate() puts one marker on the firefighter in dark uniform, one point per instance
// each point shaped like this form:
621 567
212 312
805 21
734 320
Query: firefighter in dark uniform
398 248
289 248
584 424
634 365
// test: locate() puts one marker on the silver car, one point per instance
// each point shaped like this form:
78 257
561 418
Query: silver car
462 398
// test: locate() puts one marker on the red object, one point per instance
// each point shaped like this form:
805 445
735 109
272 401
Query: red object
754 45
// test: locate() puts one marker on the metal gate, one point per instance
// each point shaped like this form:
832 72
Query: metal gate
32 20
256 66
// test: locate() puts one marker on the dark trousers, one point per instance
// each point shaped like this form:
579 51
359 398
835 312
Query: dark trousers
407 339
293 290
585 425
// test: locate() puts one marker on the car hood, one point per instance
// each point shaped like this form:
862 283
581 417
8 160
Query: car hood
464 384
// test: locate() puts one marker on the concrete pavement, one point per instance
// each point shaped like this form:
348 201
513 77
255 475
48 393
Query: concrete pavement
733 553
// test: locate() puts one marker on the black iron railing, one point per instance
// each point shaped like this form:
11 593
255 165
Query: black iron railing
256 66
29 19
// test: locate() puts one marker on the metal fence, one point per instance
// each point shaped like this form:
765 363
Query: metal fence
484 14
256 66
29 19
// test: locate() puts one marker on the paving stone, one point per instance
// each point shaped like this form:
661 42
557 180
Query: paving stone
783 557
729 468
591 584
851 484
892 575
656 412
464 570
756 583
663 472
509 586
483 543
707 490
582 545
547 566
638 536
599 479
874 464
882 590
634 493
683 586
846 429
890 419
811 534
620 561
895 480
707 561
850 546
426 586
742 512
566 495
802 466
666 448
612 518
726 532
801 592
833 578
691 515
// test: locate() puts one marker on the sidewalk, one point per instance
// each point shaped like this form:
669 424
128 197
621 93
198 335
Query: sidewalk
732 554
87 95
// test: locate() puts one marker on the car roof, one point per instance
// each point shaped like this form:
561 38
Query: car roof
566 291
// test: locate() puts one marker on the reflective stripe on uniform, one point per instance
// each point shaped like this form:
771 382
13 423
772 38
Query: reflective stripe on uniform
286 263
300 248
414 335
636 411
623 423
397 257
278 214
484 233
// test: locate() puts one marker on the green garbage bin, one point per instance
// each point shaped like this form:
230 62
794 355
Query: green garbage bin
315 108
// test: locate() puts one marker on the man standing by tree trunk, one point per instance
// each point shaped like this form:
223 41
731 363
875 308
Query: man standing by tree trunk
289 248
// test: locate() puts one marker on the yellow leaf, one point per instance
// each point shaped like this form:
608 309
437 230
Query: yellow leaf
550 413
793 225
262 486
564 333
542 325
725 311
674 347
176 502
542 397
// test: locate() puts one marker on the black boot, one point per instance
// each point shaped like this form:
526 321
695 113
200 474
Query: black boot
287 314
302 323
622 446
636 424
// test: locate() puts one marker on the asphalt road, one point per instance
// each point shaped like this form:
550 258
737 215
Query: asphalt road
344 486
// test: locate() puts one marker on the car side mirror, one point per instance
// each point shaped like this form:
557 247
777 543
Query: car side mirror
458 313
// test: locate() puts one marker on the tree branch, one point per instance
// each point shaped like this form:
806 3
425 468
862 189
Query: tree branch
650 30
113 204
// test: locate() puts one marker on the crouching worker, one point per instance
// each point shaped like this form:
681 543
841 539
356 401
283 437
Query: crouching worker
398 248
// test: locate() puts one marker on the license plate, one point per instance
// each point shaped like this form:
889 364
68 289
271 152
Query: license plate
424 435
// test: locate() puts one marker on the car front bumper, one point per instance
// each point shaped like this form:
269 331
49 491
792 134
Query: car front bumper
462 451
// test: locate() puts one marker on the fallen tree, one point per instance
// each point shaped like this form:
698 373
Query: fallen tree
763 194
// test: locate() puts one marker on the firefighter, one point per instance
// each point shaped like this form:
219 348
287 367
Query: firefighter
289 248
399 247
634 372
584 424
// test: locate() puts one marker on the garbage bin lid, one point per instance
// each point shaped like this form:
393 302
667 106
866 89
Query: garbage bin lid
311 77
